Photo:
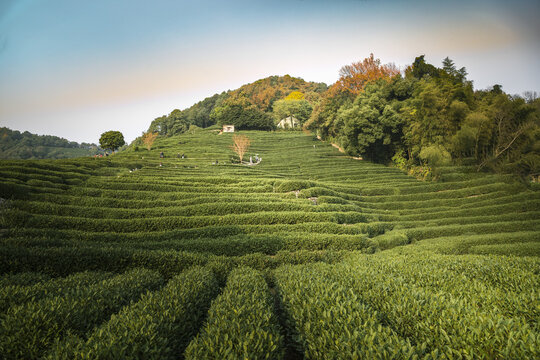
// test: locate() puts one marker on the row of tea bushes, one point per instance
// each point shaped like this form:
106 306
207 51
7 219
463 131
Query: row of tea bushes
22 279
28 331
471 220
326 319
462 244
12 295
446 194
497 209
66 260
462 307
193 199
220 209
372 229
241 322
406 303
159 326
19 218
428 232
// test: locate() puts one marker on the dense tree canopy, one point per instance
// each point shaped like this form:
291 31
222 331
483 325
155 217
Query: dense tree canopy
243 115
111 140
299 108
257 98
430 116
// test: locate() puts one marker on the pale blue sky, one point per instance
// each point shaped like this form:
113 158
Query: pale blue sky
77 68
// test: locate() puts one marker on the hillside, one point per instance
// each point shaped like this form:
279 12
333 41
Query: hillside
260 95
17 145
308 254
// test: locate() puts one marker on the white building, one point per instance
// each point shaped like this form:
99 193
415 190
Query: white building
288 123
228 128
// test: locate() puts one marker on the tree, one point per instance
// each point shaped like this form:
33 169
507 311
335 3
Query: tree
111 140
149 138
241 113
371 126
240 145
421 68
300 109
355 77
295 95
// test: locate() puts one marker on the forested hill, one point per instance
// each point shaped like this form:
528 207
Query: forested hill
249 107
17 145
427 117
418 118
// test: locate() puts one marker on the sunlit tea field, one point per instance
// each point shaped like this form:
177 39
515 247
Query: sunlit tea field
307 254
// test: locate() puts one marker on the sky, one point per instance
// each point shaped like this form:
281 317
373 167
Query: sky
78 68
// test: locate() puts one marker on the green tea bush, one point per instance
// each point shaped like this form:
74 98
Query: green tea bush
468 229
27 331
327 320
496 328
159 326
241 322
62 261
20 294
22 279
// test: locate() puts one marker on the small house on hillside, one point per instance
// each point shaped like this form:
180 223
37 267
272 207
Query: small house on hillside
228 128
288 123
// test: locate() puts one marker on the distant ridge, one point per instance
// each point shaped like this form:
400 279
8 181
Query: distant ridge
25 145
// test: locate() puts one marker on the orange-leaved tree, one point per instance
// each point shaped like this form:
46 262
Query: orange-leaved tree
240 145
149 138
353 78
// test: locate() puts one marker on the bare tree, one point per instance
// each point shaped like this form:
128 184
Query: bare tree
240 145
530 96
149 138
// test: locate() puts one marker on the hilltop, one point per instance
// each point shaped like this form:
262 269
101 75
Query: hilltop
279 258
260 96
418 119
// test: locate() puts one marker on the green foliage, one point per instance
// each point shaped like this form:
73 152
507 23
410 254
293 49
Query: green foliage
241 323
411 303
243 115
160 325
303 204
20 294
256 100
432 108
28 330
22 279
111 140
298 108
17 145
327 319
435 155
372 126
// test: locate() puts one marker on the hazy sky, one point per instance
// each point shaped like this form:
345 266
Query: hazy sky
77 68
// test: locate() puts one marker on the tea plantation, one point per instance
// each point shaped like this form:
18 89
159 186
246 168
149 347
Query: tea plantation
307 254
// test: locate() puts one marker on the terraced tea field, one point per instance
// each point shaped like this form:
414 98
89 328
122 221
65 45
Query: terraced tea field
308 254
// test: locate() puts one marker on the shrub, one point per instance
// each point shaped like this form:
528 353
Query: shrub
159 326
27 331
241 322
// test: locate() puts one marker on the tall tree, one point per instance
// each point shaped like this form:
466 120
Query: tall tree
355 77
111 140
